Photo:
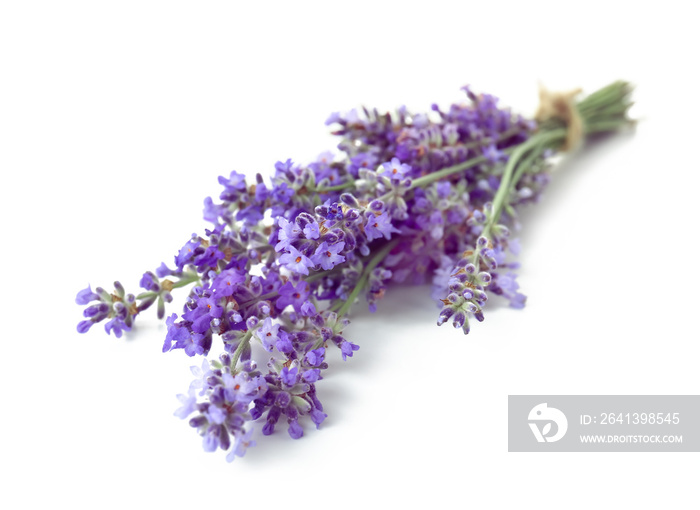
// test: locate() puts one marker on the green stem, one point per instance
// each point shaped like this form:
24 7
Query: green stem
610 94
259 298
598 126
191 278
524 166
365 276
604 110
541 139
337 187
319 275
186 281
318 343
336 306
239 350
435 176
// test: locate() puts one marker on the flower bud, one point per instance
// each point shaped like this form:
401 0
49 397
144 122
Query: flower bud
349 200
119 289
376 205
459 319
198 421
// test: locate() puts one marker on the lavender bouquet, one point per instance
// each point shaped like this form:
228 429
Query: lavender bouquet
410 198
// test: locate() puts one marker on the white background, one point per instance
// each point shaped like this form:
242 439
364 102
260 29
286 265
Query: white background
116 119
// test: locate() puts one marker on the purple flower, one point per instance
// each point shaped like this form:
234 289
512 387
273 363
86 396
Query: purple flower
84 326
295 430
242 443
432 223
177 334
317 416
493 155
284 343
85 296
201 376
293 295
211 306
289 376
518 300
162 271
207 309
97 312
315 357
296 261
282 193
241 388
395 169
212 211
334 118
233 186
188 404
507 286
311 230
268 333
289 232
210 441
251 214
283 169
149 281
378 226
327 256
362 160
195 344
209 258
308 309
347 348
226 282
116 325
443 189
186 253
311 375
215 414
261 192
